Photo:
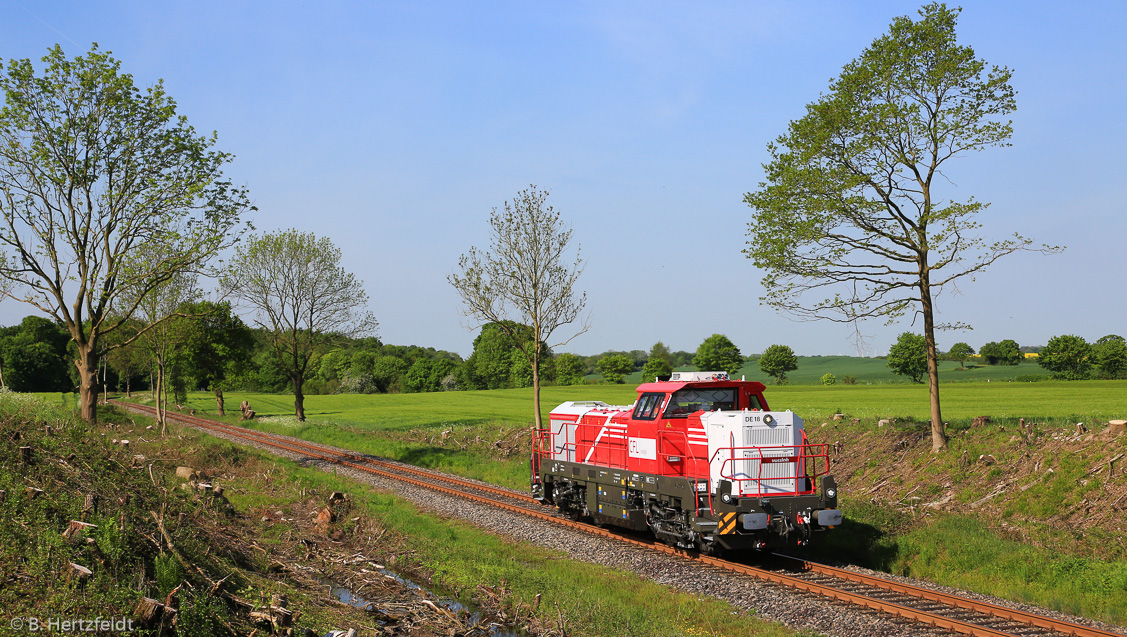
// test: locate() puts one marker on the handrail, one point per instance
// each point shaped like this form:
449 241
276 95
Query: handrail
798 454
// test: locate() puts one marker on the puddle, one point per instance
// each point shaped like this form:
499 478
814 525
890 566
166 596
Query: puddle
469 614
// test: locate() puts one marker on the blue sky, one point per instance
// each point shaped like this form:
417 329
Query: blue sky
394 129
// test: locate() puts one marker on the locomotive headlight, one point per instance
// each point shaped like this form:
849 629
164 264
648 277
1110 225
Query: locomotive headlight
726 498
830 493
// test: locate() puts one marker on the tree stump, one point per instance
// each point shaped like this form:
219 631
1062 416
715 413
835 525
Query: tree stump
148 612
25 455
90 504
32 493
76 529
77 574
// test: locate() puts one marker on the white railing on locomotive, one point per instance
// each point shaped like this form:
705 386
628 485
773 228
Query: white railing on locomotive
601 444
784 459
563 439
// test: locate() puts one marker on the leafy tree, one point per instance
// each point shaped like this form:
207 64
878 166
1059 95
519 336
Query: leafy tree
569 369
490 366
129 360
426 374
165 339
524 279
217 348
908 357
614 368
960 352
1110 356
1004 353
300 294
658 364
93 174
776 361
853 209
33 356
718 353
387 373
1068 357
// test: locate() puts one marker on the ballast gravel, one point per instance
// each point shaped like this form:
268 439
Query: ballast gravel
795 609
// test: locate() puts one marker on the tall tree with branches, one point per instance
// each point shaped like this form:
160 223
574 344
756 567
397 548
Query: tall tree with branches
300 295
93 172
853 206
525 283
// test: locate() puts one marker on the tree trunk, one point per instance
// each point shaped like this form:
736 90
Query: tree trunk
219 402
88 381
299 397
536 391
938 435
162 398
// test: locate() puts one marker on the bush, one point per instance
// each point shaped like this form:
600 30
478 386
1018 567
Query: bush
848 380
828 379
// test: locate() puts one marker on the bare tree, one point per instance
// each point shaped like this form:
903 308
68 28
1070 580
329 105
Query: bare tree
524 279
92 172
300 294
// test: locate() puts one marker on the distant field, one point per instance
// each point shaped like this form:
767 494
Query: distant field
875 371
1079 401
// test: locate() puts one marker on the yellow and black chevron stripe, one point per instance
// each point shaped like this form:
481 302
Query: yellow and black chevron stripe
727 523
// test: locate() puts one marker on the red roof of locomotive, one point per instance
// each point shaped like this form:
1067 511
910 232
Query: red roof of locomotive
752 387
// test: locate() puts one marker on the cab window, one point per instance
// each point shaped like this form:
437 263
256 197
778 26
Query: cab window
648 407
688 401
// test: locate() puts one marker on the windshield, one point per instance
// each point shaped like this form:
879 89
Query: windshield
692 400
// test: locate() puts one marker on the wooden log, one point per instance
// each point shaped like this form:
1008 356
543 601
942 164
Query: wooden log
148 612
76 529
32 492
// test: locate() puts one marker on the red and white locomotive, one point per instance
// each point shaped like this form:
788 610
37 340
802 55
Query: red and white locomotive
699 460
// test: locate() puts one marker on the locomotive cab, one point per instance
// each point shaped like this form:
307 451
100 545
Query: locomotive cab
700 460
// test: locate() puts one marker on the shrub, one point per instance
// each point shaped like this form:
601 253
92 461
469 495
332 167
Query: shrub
848 380
828 379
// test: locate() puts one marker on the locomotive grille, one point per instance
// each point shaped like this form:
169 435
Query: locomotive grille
776 477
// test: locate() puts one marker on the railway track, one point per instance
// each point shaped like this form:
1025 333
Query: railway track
944 611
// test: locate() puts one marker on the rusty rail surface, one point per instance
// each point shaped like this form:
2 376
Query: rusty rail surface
530 507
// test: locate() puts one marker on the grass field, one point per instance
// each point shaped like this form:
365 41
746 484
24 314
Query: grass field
1075 401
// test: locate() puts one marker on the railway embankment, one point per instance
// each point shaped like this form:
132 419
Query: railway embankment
1016 508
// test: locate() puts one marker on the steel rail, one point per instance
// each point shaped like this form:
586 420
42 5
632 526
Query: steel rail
267 438
892 608
1040 621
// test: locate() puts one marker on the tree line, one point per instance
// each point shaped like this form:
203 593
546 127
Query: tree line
1066 357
